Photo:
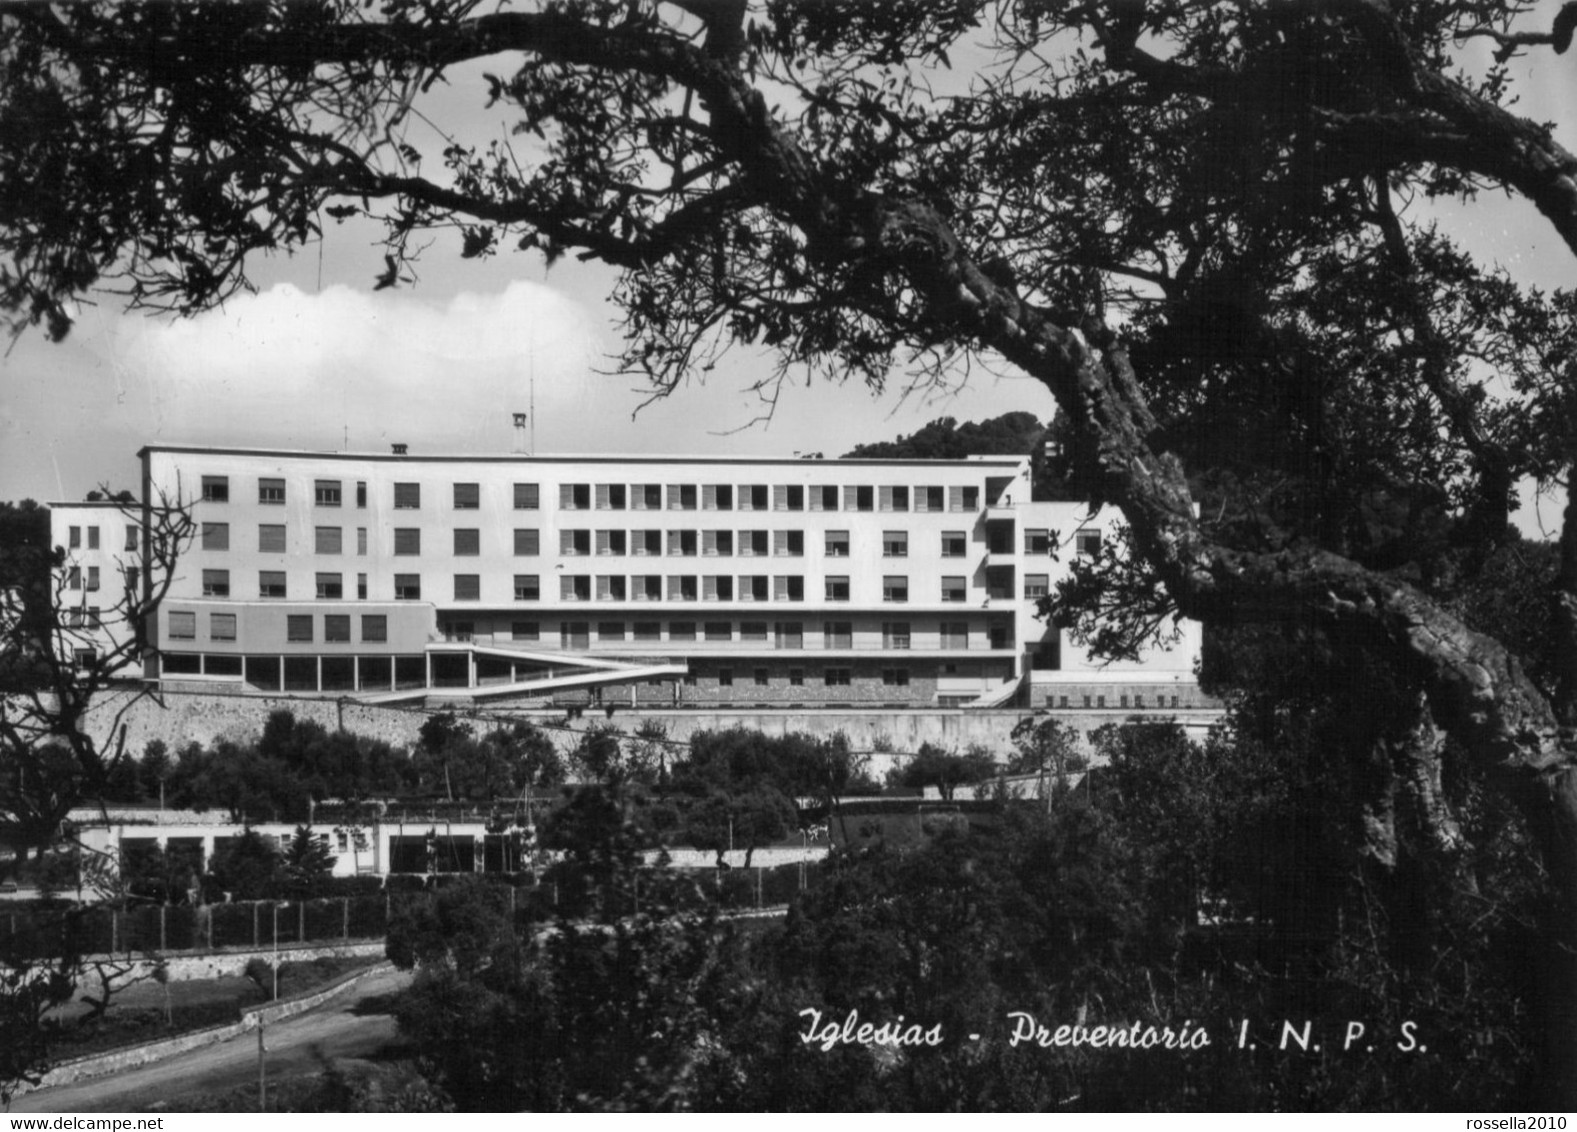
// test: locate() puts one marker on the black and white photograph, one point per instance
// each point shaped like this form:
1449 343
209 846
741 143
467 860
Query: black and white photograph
657 556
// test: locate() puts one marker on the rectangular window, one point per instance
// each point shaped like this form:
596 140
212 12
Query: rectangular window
575 587
574 635
648 587
859 498
216 489
955 544
407 540
895 544
298 627
574 497
929 499
93 577
407 496
361 493
467 496
183 625
528 542
647 496
837 634
1037 542
682 587
717 544
647 544
336 627
467 542
374 627
221 626
610 630
754 587
131 536
796 677
788 497
133 576
895 677
681 497
74 537
836 677
719 630
895 634
93 538
270 491
963 499
74 578
788 544
895 588
824 497
838 587
525 630
271 583
575 543
717 497
789 634
611 587
754 497
1037 585
1087 543
837 544
326 493
725 677
327 540
788 587
953 588
216 583
681 630
648 631
610 497
361 587
681 544
468 587
752 630
528 497
271 538
717 587
895 499
528 587
331 587
611 543
407 587
955 634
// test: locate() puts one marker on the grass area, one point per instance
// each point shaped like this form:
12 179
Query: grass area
138 1014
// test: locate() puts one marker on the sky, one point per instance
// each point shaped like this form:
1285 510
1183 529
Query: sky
316 359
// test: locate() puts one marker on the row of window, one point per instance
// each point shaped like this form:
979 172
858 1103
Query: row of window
582 542
642 496
336 628
74 537
782 634
330 586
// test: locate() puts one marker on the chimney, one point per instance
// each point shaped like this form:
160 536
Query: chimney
400 449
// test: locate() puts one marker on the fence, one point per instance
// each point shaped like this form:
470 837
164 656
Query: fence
264 924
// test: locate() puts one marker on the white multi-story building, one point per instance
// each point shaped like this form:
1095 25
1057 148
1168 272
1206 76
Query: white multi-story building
98 588
640 579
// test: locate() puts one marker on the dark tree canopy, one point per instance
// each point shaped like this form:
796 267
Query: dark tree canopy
1201 226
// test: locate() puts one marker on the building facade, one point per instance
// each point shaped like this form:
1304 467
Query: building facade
99 587
636 580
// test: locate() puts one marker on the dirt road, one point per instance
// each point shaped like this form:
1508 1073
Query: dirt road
356 1024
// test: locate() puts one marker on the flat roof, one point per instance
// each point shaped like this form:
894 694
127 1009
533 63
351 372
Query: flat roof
559 458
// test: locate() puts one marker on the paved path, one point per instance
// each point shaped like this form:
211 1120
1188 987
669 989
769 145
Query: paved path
295 1047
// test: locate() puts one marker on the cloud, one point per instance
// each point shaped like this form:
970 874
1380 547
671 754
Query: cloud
284 368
